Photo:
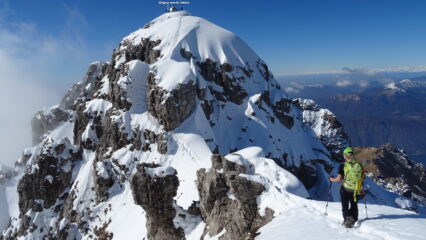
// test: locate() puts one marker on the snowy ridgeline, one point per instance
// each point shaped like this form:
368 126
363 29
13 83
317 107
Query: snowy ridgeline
137 136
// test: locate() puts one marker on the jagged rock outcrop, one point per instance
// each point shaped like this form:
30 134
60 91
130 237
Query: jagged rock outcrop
45 181
117 69
228 200
171 108
231 88
326 126
86 88
151 138
154 188
144 51
390 168
280 109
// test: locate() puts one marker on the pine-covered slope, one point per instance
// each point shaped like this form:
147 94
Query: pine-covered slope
184 134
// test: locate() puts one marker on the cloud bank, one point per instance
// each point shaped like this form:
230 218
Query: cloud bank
36 67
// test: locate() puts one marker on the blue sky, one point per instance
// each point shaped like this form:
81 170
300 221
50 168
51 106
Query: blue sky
46 45
291 36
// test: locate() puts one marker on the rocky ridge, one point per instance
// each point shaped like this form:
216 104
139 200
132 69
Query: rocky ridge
162 137
390 168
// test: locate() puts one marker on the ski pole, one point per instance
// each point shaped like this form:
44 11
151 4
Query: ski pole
365 202
328 198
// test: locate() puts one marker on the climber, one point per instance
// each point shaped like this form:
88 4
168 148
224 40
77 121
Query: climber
352 173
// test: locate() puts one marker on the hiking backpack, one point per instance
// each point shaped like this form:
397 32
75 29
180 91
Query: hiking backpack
354 177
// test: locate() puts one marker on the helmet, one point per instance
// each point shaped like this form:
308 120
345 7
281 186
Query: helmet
348 150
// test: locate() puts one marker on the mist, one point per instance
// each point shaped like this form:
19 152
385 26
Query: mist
19 100
36 68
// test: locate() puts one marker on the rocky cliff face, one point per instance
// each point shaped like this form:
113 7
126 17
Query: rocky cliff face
185 133
228 201
326 127
390 168
155 192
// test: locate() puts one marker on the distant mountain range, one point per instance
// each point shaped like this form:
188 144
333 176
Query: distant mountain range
373 111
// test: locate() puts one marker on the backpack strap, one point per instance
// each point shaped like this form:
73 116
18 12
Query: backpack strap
360 182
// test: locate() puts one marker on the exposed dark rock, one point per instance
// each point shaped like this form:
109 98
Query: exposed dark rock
102 234
171 109
390 168
155 195
80 123
102 182
24 227
332 120
226 67
186 54
115 139
283 105
264 70
160 139
43 122
117 94
310 106
213 72
50 175
281 110
238 216
144 51
137 139
194 209
68 211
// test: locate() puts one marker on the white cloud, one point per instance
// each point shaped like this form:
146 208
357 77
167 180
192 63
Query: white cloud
294 88
36 66
343 83
291 90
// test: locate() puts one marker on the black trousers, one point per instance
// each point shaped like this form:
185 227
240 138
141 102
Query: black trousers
349 206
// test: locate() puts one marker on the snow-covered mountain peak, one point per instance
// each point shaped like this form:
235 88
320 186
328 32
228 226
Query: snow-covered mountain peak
394 87
405 85
185 133
203 39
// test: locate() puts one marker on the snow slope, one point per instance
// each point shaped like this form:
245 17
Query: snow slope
305 219
238 110
299 218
